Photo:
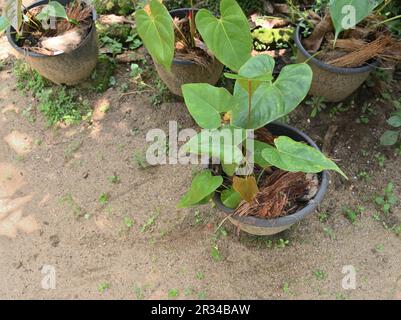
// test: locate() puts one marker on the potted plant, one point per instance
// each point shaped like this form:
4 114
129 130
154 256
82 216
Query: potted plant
189 46
57 38
265 175
343 45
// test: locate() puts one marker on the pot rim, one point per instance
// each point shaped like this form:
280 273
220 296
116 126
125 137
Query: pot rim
292 218
26 52
326 66
178 61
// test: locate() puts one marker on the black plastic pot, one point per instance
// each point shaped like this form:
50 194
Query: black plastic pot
333 83
184 71
65 68
263 227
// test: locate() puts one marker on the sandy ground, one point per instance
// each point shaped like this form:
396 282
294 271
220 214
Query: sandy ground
50 214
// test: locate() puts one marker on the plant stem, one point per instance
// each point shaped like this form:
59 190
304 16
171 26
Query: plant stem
260 176
249 103
388 20
385 4
192 26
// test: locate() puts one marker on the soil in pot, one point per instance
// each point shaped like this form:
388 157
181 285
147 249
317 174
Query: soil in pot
67 51
64 37
283 198
193 62
341 66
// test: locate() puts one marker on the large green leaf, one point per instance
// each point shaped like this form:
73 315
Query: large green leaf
258 158
52 9
230 198
218 143
258 67
4 24
228 37
157 33
293 156
273 101
346 14
256 70
203 185
205 103
13 13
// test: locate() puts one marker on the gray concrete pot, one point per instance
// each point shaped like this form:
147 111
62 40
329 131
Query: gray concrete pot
333 83
265 227
183 71
65 68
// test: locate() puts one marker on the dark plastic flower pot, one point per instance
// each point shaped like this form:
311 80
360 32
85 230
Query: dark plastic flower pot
264 227
333 83
65 68
184 71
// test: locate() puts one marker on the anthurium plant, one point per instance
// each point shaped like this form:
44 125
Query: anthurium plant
227 37
258 100
14 15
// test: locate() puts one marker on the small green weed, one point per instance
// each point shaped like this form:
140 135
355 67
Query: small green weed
352 214
367 112
102 287
73 205
115 179
149 224
387 200
282 243
140 160
128 222
161 93
320 274
317 104
330 233
139 293
104 198
173 293
381 159
200 275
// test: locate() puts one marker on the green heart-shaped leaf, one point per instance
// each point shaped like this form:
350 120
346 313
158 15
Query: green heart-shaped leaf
256 70
346 14
52 9
203 185
219 143
157 33
293 156
230 198
258 67
273 101
229 169
228 37
205 103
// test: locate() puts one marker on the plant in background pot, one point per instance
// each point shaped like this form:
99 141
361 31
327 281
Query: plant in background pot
343 45
57 38
266 176
185 43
